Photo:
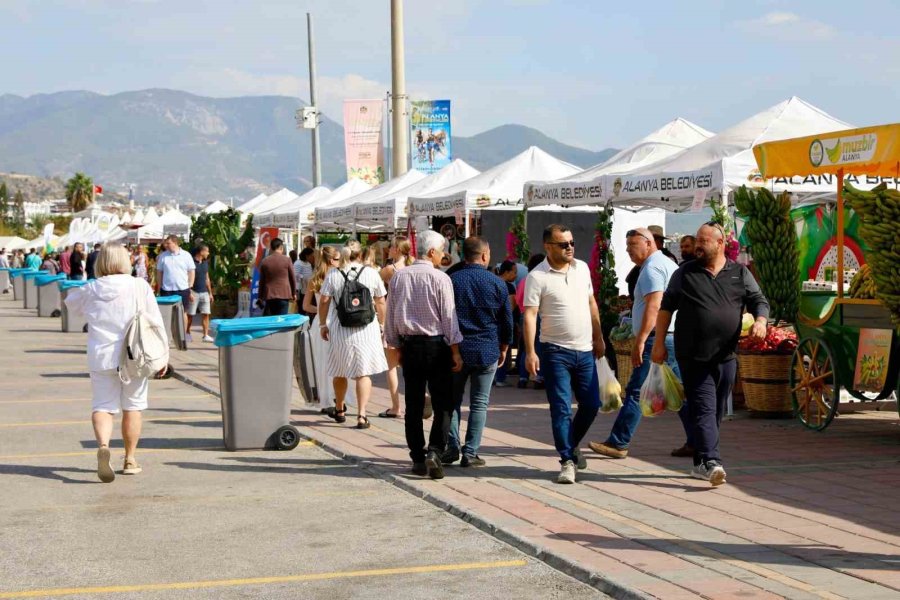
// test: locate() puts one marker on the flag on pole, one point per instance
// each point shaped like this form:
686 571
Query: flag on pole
48 237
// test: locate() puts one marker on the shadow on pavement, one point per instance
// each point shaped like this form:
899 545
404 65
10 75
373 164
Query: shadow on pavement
81 375
209 444
277 466
55 351
43 472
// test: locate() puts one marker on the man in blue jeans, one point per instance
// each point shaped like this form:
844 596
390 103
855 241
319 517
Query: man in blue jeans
485 322
561 291
655 271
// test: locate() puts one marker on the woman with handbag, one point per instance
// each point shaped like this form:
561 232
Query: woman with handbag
109 305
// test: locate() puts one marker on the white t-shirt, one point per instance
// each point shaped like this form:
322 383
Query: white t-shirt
175 268
562 298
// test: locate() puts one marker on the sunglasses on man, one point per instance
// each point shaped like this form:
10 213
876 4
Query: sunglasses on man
717 226
634 232
563 245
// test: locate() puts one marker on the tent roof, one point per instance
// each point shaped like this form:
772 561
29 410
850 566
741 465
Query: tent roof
10 242
353 187
379 192
249 205
724 161
452 174
216 207
314 195
671 138
274 201
154 230
500 186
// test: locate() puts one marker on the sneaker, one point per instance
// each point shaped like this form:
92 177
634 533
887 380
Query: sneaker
104 468
131 467
501 384
428 410
710 471
450 456
567 473
433 464
607 450
523 383
188 338
540 385
208 338
580 460
472 461
419 468
685 450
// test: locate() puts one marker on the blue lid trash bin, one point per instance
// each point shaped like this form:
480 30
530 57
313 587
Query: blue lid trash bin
48 295
70 323
256 359
4 280
172 310
18 283
29 278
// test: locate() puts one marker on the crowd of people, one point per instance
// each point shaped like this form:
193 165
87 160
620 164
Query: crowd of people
452 329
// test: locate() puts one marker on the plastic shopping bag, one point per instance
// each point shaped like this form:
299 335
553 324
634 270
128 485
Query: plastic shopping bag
674 389
610 389
661 390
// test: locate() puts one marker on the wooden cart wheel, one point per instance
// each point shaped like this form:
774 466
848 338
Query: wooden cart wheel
814 384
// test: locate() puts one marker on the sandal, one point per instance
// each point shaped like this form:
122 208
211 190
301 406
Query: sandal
131 467
389 415
362 422
339 416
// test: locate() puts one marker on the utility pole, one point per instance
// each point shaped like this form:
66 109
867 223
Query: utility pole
400 146
316 164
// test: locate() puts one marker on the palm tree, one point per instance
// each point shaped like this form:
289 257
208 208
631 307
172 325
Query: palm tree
79 192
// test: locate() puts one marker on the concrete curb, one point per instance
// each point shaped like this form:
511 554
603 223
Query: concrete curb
571 568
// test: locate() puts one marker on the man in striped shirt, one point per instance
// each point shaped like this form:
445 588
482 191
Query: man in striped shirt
422 323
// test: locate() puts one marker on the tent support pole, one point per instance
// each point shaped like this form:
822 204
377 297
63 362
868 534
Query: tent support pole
467 222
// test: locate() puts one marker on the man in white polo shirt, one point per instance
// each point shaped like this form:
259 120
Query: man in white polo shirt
560 290
175 271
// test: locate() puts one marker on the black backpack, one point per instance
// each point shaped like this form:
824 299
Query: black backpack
355 307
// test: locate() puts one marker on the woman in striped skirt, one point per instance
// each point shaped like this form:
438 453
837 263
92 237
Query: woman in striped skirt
354 352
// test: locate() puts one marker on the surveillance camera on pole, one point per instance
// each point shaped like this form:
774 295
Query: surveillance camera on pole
307 117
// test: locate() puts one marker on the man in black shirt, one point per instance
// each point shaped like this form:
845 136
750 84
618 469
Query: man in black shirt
91 260
203 293
76 262
710 294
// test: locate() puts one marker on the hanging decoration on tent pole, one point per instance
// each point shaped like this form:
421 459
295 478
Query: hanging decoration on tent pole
723 218
603 268
517 247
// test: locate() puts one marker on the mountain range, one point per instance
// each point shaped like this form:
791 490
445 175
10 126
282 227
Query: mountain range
170 144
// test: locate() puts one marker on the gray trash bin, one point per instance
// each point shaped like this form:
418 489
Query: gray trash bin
31 288
70 323
172 310
48 295
18 281
256 357
4 280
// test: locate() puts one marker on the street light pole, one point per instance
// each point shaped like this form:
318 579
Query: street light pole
316 165
400 146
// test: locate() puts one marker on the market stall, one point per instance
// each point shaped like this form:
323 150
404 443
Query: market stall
844 341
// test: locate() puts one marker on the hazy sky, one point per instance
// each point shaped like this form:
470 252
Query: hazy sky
593 73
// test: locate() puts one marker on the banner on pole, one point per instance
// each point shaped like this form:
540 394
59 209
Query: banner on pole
363 140
48 237
430 136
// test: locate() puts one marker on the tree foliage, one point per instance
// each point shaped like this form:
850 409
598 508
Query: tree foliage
79 192
4 204
229 262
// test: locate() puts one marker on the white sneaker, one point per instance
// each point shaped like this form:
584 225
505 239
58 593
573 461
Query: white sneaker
208 338
710 471
188 338
567 473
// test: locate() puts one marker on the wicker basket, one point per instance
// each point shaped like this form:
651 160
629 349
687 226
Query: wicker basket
764 379
623 350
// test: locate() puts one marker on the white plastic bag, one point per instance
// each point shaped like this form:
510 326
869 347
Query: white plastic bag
610 388
661 390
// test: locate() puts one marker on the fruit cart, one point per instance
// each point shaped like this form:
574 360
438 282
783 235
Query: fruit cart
847 342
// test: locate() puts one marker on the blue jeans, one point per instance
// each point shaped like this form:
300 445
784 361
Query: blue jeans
480 377
567 373
630 414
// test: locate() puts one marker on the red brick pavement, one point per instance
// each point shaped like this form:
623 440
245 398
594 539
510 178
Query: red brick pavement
804 515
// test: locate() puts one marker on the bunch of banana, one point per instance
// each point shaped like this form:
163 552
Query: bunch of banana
773 244
879 215
862 286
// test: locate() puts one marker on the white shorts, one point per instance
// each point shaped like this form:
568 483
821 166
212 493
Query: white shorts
200 304
110 395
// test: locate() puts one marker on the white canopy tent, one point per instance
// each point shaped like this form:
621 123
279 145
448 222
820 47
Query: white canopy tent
11 242
384 213
586 187
288 215
249 205
342 215
724 162
216 207
171 220
274 201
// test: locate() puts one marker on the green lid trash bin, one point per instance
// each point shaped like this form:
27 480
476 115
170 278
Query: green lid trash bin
48 295
31 288
70 323
256 358
172 310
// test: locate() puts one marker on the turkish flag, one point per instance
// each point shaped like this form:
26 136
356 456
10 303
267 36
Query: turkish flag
98 190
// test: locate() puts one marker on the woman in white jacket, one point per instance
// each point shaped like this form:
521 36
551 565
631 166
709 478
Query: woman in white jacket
108 304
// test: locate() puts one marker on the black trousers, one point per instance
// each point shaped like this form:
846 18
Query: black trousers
707 387
275 308
427 364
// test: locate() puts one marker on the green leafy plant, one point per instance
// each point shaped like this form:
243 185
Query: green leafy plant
229 260
517 246
603 268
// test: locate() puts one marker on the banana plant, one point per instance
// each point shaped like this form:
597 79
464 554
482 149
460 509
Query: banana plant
229 248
